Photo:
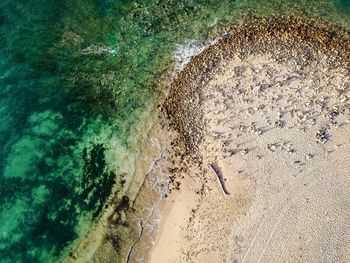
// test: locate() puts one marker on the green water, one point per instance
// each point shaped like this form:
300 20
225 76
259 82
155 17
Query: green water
75 78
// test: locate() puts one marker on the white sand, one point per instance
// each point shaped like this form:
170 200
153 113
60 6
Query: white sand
289 190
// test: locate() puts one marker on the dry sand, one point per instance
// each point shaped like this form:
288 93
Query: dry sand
289 190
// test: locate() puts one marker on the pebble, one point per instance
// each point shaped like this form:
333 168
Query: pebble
272 147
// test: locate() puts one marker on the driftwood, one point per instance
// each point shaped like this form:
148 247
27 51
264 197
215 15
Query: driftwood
220 177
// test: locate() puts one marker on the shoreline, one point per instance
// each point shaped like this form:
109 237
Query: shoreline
113 233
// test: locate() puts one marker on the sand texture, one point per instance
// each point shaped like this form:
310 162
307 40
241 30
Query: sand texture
258 168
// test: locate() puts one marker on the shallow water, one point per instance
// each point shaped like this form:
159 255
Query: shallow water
76 77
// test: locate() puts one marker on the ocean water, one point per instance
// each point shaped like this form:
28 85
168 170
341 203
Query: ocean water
75 79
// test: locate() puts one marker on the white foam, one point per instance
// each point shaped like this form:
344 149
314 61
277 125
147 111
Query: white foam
184 52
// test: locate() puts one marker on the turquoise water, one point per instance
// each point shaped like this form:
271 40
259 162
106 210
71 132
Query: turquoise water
344 7
75 77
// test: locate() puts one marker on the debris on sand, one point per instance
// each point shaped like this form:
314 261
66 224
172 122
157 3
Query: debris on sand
217 171
322 136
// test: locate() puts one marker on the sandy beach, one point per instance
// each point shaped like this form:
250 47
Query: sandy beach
259 165
287 185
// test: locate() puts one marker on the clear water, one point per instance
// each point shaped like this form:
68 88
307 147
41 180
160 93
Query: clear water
75 77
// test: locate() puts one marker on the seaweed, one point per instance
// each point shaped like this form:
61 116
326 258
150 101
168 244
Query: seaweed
97 182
